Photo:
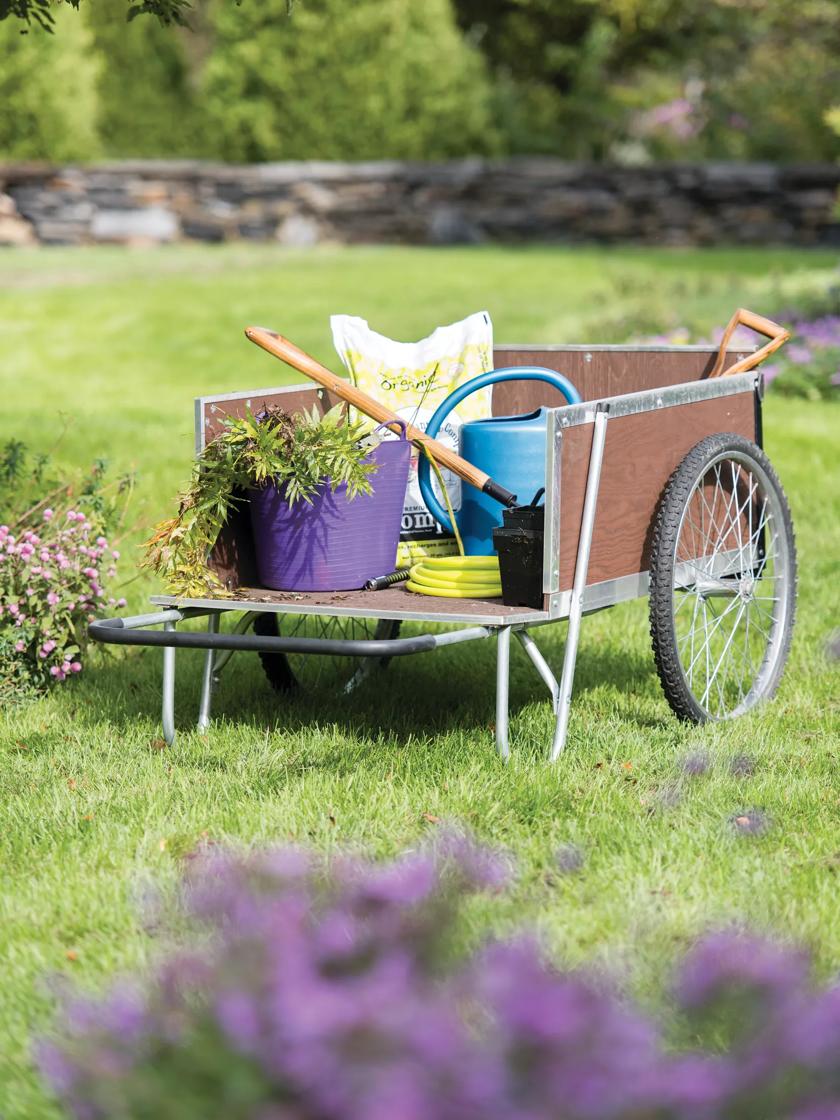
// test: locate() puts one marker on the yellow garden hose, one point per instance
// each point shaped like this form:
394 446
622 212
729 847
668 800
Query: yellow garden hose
455 577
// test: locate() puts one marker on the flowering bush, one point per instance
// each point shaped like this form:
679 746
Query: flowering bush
314 993
54 564
807 366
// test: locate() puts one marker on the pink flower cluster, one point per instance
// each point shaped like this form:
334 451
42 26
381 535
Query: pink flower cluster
680 117
51 584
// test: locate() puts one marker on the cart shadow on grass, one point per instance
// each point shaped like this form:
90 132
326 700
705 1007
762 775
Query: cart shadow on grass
422 698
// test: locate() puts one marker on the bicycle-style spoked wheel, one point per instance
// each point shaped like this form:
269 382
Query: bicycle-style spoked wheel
723 581
323 672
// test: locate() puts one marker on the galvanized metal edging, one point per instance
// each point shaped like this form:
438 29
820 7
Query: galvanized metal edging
649 400
551 541
597 596
621 347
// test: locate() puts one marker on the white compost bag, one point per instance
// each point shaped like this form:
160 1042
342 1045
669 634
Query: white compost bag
413 378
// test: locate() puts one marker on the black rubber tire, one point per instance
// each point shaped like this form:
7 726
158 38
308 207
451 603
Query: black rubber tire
276 666
666 526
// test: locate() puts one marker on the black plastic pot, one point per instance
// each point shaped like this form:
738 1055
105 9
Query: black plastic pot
519 544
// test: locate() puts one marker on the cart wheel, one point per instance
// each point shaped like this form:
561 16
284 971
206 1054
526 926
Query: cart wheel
289 672
722 581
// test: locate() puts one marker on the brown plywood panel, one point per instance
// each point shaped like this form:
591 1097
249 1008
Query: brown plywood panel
595 374
640 454
233 559
292 399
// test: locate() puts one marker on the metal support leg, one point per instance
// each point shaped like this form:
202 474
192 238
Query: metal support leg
541 665
581 569
207 677
168 717
502 691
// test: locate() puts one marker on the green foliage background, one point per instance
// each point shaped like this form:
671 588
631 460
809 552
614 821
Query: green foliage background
345 81
585 79
48 92
147 100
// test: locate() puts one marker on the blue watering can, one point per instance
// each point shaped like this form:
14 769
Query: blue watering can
511 449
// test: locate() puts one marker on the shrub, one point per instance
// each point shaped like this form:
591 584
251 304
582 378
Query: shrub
55 562
48 92
340 993
146 97
369 80
808 365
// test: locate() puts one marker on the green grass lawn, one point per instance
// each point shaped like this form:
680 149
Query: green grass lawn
116 345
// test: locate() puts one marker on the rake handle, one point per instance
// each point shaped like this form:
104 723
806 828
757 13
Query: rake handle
777 334
292 355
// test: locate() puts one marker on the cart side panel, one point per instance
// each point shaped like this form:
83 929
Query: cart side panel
597 373
211 411
640 454
232 558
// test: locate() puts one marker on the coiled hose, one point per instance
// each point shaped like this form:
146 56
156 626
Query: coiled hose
455 577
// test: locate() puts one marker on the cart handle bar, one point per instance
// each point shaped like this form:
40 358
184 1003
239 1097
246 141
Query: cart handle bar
133 632
777 334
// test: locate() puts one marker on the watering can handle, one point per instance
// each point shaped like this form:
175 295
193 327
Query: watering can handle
509 373
777 334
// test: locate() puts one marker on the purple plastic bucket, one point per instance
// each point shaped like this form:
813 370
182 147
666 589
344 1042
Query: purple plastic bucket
334 544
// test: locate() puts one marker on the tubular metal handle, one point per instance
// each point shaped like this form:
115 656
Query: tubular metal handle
777 334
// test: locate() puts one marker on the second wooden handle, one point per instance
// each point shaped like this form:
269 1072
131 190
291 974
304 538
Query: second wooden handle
282 348
777 334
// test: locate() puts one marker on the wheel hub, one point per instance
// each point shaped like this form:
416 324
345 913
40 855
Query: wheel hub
746 588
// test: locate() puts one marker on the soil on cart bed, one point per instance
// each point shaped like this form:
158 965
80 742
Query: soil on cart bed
391 602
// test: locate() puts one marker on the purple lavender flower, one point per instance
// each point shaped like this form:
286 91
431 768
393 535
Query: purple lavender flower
750 822
819 1110
696 762
742 766
669 795
771 371
799 355
569 859
335 992
732 957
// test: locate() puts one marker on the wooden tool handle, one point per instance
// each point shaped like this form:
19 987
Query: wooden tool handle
287 351
777 334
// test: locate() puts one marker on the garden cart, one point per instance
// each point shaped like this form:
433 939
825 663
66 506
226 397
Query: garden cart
656 484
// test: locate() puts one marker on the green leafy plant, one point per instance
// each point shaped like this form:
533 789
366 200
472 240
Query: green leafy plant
300 453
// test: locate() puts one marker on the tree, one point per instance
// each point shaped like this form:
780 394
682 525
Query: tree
363 80
576 78
147 104
42 12
48 94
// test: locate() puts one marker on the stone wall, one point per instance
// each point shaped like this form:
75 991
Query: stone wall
462 201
